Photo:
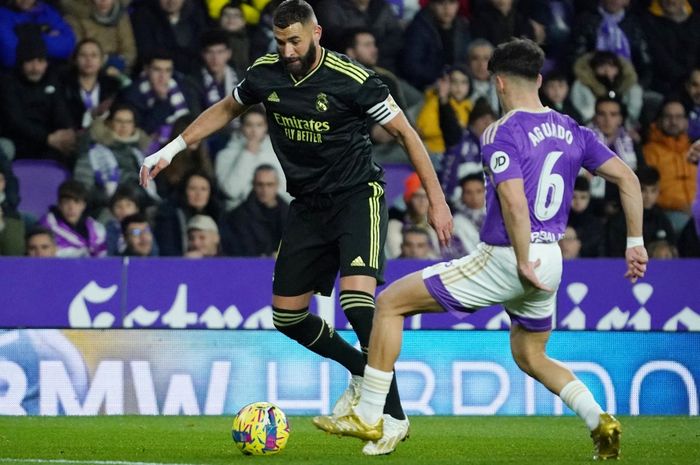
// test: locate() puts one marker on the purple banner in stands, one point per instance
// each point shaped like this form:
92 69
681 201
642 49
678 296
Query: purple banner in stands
235 294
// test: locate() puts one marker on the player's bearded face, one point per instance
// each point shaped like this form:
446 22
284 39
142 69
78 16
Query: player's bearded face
300 65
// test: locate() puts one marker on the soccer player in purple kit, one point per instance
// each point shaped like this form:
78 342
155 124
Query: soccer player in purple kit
531 158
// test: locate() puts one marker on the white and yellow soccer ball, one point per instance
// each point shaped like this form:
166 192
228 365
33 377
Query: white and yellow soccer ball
260 428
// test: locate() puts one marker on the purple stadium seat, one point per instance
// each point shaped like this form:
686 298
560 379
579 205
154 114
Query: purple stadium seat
38 184
395 174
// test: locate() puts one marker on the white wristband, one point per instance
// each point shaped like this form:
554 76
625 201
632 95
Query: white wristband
635 241
175 146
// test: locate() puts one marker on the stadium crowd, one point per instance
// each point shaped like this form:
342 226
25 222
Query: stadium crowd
90 87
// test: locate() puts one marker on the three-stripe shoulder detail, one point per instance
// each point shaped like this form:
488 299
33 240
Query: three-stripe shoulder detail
268 59
345 67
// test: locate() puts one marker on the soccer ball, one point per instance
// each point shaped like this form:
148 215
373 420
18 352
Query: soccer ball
260 428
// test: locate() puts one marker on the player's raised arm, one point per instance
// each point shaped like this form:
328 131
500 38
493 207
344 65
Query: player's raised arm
615 171
439 214
207 123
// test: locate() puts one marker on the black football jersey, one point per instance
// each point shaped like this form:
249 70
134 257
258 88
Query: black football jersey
318 124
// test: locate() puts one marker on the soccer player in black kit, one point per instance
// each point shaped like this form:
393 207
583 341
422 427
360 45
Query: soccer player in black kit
318 103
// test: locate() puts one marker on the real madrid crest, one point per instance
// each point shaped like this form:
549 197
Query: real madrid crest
321 102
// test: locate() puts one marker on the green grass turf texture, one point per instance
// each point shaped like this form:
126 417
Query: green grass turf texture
434 440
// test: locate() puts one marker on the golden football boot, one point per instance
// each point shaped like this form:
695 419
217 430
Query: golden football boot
394 432
350 425
606 438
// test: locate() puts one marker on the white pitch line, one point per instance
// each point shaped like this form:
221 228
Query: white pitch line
79 462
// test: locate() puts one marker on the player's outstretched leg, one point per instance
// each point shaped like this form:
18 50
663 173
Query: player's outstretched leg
401 298
528 349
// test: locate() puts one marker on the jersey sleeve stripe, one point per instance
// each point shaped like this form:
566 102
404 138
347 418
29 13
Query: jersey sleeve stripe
349 66
343 71
266 59
352 69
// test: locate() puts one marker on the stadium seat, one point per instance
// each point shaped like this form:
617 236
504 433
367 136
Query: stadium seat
395 174
38 184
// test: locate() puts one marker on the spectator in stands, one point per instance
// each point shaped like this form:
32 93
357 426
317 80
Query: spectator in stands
108 23
463 156
36 116
254 228
478 56
451 89
173 25
589 227
611 28
234 26
416 244
9 188
436 38
689 239
77 235
656 226
125 202
243 155
556 19
88 90
11 231
554 93
40 242
194 158
338 16
215 80
673 34
405 10
360 45
114 158
570 244
262 39
138 236
691 99
196 197
666 150
662 250
203 240
416 214
31 18
608 125
160 96
498 21
470 212
604 74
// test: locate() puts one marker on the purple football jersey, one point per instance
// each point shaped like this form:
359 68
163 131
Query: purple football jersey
546 150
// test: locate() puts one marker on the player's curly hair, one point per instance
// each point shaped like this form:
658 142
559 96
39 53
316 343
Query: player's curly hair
292 11
518 57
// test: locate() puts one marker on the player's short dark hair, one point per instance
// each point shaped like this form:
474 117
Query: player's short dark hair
648 175
292 11
582 184
39 231
135 218
72 189
519 57
349 39
472 177
212 37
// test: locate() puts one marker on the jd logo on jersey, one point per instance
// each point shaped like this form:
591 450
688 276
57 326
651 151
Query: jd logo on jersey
321 102
499 162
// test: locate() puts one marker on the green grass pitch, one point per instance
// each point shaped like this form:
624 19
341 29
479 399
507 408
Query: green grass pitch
434 440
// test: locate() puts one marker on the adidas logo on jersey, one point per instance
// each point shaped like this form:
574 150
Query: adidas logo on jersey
273 97
358 262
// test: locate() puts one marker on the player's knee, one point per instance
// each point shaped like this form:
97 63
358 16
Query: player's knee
289 322
527 361
385 303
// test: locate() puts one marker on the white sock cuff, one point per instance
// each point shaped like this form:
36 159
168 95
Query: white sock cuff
378 374
572 390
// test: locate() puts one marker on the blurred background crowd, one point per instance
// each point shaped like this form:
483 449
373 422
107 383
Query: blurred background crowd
91 87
